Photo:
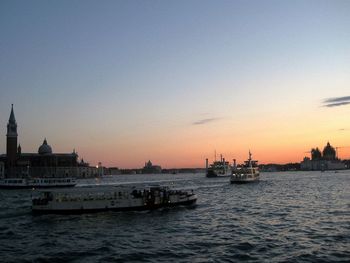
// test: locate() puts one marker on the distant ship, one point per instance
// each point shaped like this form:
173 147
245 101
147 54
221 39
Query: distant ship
218 168
50 182
86 200
249 172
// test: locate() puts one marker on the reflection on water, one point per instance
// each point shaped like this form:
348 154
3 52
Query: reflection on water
295 216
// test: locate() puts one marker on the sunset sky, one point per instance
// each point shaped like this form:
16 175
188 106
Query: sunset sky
123 82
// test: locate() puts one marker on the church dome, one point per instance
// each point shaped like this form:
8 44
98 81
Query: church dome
45 148
329 152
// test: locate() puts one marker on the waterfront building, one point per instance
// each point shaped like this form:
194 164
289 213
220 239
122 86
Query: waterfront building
114 170
319 162
149 168
86 171
44 163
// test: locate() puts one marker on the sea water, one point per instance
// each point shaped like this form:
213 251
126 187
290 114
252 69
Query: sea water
286 217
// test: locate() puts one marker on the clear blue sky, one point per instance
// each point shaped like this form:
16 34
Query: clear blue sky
121 80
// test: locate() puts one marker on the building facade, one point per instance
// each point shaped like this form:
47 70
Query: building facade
87 171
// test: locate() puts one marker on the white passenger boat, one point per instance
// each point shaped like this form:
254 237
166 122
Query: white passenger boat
87 200
18 183
249 172
218 168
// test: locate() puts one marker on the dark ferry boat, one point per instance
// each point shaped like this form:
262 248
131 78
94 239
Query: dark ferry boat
87 200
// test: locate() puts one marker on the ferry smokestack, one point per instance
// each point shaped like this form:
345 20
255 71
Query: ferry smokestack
234 163
206 164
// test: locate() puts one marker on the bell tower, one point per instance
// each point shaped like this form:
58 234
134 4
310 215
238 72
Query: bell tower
11 143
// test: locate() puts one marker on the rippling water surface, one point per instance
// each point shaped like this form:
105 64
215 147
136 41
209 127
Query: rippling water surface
286 217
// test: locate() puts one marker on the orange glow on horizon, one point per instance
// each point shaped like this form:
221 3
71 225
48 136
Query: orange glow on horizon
195 158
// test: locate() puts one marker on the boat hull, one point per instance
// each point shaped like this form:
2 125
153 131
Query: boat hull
244 178
41 210
14 187
212 173
234 181
115 209
21 183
